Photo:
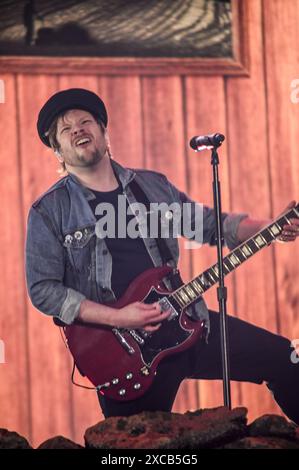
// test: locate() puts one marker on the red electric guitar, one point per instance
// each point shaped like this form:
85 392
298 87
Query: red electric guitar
122 363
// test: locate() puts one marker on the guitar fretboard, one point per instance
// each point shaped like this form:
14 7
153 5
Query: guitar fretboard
188 293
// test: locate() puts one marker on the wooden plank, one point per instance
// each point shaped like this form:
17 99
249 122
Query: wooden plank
84 406
15 372
281 62
49 360
122 66
250 190
122 96
164 146
205 114
122 99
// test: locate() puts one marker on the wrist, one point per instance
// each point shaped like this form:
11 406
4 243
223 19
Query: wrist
93 312
249 227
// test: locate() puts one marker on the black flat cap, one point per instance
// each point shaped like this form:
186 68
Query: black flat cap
74 98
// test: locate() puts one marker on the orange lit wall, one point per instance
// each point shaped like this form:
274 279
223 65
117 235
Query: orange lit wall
151 122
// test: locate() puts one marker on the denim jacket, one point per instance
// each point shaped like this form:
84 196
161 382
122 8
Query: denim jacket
66 262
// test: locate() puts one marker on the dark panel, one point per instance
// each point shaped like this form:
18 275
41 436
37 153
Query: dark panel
180 28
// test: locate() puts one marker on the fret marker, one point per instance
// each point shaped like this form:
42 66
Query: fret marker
184 296
260 241
246 251
190 292
204 281
197 287
275 229
234 260
178 299
181 296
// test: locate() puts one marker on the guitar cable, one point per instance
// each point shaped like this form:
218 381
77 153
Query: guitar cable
74 367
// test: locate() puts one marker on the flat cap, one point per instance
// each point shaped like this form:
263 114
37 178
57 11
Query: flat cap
73 98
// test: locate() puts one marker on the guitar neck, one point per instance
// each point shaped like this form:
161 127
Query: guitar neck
193 290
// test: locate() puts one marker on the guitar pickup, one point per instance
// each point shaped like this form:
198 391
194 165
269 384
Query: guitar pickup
136 336
165 305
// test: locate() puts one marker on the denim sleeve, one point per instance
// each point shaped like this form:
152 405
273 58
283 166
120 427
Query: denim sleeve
230 221
45 271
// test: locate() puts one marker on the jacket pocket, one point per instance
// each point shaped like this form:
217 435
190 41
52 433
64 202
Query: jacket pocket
78 245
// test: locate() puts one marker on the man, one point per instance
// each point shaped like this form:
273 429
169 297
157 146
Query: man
75 274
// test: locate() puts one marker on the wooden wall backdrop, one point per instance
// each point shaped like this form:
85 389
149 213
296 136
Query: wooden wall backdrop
151 121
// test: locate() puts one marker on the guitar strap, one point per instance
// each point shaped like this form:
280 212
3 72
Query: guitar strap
166 256
174 277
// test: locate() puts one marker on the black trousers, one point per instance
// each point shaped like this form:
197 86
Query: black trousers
256 356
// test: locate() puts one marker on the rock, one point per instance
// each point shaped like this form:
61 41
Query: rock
272 425
12 440
262 443
216 428
59 442
163 430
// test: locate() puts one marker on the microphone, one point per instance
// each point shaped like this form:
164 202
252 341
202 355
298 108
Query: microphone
200 142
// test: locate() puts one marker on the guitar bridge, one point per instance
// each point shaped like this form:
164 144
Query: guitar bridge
123 341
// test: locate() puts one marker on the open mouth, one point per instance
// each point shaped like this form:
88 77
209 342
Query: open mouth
83 142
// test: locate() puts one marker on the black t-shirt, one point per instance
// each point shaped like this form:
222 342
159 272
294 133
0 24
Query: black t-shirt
129 255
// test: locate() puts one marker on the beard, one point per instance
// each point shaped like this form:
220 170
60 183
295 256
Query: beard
85 159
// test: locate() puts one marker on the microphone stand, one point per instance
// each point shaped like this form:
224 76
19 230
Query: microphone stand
212 142
221 289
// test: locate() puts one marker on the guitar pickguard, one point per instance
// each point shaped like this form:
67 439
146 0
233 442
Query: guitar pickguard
168 336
